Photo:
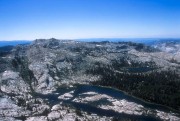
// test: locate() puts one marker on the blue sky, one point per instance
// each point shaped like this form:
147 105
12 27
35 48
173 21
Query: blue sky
72 19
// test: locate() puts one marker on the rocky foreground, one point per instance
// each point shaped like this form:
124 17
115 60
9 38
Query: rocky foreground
28 73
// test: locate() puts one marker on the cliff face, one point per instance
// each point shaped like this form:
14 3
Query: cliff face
42 67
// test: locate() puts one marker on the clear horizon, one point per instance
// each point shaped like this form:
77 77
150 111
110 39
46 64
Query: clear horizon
97 39
83 19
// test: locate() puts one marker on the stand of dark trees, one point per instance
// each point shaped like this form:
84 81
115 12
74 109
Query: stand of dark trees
162 87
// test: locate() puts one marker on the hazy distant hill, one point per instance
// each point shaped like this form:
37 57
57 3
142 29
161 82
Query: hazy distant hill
14 42
147 41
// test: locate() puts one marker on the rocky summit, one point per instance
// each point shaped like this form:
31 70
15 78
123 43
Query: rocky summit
67 80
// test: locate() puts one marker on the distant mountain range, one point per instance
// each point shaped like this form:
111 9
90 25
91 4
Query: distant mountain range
14 42
147 41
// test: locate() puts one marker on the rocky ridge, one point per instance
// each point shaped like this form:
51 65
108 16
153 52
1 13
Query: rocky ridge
45 65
